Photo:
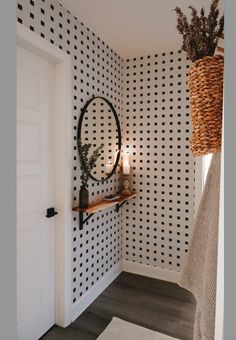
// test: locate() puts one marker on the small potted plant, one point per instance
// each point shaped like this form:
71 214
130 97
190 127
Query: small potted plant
200 35
87 165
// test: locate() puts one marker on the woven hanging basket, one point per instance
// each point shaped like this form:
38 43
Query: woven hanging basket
206 99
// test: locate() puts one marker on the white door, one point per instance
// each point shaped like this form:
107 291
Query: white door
35 193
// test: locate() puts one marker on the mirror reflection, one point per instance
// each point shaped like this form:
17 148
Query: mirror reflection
99 125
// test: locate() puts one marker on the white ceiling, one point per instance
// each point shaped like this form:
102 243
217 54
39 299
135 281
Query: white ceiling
134 27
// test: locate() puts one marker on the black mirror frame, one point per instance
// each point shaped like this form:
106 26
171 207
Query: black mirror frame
83 111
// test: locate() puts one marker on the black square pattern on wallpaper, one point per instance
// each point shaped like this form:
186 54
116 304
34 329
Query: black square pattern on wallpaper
96 71
156 226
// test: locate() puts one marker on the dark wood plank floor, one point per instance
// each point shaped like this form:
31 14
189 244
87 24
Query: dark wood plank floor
155 304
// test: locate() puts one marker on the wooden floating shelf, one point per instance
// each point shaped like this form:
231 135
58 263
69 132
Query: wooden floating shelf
97 206
100 205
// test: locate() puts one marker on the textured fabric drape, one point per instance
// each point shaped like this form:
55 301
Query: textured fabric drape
199 273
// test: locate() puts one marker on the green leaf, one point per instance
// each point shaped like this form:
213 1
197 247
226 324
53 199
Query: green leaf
87 162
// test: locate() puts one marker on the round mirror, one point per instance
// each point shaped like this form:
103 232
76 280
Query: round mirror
99 126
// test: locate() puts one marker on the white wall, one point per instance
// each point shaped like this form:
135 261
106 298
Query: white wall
219 322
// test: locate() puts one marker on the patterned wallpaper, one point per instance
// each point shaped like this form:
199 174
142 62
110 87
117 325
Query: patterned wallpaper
157 225
96 71
151 97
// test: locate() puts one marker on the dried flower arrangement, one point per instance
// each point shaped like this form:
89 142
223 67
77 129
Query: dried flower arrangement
201 33
88 162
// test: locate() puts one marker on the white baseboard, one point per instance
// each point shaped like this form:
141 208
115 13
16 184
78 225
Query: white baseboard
150 271
94 292
126 266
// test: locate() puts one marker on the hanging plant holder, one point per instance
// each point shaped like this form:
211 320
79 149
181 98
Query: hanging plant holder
205 82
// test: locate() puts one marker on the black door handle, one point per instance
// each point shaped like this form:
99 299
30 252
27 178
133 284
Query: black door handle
51 212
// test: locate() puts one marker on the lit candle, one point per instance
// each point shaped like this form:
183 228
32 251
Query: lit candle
108 167
126 169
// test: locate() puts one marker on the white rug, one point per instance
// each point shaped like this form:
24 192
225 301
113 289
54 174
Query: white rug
123 330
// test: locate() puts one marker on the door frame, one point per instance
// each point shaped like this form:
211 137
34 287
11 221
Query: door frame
63 165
